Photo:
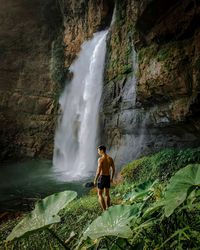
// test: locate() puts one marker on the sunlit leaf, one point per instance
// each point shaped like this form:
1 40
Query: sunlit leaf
44 214
180 186
114 221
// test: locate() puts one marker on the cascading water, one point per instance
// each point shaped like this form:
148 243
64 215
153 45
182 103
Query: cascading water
76 135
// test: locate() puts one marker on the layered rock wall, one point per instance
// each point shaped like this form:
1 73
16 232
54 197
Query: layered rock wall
165 35
81 20
27 91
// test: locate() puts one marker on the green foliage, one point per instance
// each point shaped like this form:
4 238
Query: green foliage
145 54
152 229
115 221
132 170
76 217
141 191
147 226
44 214
163 54
57 61
161 165
180 186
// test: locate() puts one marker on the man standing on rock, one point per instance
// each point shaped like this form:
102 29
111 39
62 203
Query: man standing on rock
104 176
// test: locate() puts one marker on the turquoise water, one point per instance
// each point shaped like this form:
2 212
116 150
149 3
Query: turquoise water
23 182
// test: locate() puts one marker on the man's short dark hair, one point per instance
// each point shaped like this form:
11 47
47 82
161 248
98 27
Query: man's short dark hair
102 147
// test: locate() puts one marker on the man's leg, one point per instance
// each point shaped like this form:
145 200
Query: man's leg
101 199
107 194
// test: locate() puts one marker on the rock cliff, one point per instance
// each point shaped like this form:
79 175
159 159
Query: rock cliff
27 92
39 41
165 35
152 72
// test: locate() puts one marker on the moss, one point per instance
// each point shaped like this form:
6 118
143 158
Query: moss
145 54
163 54
153 51
127 69
57 61
119 47
119 78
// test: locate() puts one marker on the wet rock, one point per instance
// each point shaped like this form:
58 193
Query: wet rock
163 111
89 185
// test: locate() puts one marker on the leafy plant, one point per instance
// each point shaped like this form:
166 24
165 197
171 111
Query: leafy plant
147 225
179 187
141 191
161 165
44 214
115 221
57 61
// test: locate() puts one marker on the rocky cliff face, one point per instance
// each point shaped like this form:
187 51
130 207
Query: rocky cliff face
165 35
152 75
39 38
81 20
27 91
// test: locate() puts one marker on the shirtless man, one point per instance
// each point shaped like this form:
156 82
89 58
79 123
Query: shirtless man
105 165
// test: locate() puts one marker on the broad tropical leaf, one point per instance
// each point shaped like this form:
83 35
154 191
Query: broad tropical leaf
179 187
44 214
141 191
114 221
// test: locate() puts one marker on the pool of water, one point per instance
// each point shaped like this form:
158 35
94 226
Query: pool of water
23 182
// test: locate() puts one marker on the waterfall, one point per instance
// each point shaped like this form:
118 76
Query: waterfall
75 147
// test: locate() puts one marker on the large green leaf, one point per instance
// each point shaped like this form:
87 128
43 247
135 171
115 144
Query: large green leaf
44 214
141 191
179 187
114 221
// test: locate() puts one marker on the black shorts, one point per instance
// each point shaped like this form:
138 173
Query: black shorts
103 181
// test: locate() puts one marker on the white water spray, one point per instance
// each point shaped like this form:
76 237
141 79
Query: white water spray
76 135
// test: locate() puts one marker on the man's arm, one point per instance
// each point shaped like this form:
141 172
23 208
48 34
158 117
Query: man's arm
98 171
113 169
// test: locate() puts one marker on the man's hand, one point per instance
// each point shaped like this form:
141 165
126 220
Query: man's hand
95 182
111 180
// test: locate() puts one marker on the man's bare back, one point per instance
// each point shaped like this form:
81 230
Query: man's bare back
106 163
